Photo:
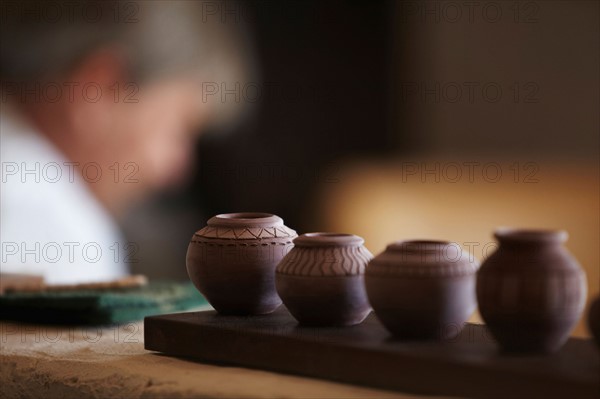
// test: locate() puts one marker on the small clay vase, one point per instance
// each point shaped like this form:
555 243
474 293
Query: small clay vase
594 320
321 280
422 290
531 291
232 261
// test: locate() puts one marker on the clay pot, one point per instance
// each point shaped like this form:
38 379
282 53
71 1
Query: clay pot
422 290
232 261
594 320
531 291
321 279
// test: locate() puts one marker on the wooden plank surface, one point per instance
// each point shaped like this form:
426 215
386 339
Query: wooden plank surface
42 361
469 366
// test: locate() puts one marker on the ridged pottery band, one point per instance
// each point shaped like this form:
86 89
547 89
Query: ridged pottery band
232 261
531 291
321 280
422 290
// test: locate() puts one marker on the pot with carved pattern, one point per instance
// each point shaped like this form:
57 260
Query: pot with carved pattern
321 280
422 290
232 261
531 290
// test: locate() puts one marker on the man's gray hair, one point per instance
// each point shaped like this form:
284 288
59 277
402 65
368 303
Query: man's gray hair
42 40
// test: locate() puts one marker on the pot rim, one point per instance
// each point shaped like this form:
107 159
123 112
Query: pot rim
420 245
515 234
253 219
322 239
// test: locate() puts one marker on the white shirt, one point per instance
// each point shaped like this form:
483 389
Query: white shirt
50 222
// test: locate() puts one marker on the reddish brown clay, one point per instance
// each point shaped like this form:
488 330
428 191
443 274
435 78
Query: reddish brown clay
321 279
531 291
594 320
232 261
422 289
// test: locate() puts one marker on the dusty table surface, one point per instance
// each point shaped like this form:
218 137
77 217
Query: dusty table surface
47 361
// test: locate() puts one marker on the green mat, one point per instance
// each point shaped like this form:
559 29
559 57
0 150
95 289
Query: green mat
100 307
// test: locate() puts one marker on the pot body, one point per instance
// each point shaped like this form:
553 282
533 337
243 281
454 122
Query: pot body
422 290
594 320
321 280
232 261
531 291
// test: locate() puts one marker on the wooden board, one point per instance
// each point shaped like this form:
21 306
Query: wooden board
468 366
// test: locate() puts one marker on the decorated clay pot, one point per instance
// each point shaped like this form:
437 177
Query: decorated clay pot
594 320
321 279
232 261
531 291
422 290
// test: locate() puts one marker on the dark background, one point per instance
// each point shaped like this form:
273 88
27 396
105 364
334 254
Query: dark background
325 95
333 78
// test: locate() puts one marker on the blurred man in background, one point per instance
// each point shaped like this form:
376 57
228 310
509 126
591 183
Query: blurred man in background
100 100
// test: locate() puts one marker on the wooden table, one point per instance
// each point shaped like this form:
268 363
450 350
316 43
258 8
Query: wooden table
43 361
